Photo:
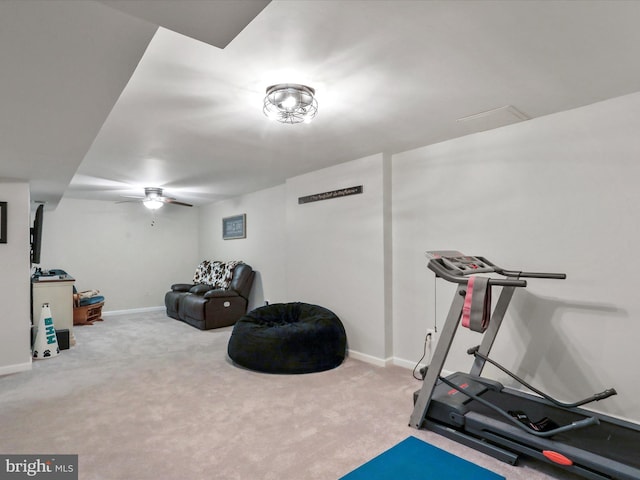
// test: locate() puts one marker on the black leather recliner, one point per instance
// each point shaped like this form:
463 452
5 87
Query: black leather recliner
205 306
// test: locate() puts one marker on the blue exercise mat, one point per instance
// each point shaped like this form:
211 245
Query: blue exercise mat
413 459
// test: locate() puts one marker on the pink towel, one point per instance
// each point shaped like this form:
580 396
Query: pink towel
476 310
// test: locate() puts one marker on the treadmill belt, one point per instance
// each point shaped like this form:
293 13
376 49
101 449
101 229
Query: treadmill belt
609 440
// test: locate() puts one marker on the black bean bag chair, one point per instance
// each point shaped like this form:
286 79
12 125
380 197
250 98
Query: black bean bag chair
288 338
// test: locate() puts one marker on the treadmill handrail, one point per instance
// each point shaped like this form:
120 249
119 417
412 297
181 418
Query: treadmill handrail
513 273
585 422
593 398
518 273
440 271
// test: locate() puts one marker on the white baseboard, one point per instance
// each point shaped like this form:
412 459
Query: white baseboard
132 310
400 362
17 368
378 362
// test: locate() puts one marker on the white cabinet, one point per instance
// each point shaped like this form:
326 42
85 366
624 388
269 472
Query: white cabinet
59 295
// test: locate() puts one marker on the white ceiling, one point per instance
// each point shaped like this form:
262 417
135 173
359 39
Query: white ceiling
87 112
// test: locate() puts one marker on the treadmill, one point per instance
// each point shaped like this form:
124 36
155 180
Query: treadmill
506 423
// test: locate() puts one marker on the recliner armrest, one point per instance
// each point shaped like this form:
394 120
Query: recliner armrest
181 287
220 293
200 289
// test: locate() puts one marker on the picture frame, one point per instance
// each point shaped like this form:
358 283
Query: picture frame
3 222
234 227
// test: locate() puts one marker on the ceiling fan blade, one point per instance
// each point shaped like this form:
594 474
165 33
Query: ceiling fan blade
131 201
175 202
132 196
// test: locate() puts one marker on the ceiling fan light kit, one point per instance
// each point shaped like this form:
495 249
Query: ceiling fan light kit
153 199
290 103
152 204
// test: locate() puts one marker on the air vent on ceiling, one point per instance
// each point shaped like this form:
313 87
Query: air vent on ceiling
497 117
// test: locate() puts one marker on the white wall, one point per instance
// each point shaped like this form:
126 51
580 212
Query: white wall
115 248
264 245
554 193
558 193
335 251
330 253
15 316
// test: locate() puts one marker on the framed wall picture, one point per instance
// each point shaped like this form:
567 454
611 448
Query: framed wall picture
234 227
3 222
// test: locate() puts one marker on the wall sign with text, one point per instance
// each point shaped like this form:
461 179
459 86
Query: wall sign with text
343 192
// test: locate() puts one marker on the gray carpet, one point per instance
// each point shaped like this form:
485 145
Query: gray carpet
147 397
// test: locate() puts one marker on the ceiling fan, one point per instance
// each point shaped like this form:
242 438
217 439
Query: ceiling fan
153 199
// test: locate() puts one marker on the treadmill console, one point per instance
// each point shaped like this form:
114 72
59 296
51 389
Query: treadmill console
460 264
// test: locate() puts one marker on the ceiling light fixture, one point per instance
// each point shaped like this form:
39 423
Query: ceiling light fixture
152 200
152 204
290 103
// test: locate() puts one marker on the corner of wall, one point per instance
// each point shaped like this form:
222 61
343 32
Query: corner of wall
15 283
387 226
